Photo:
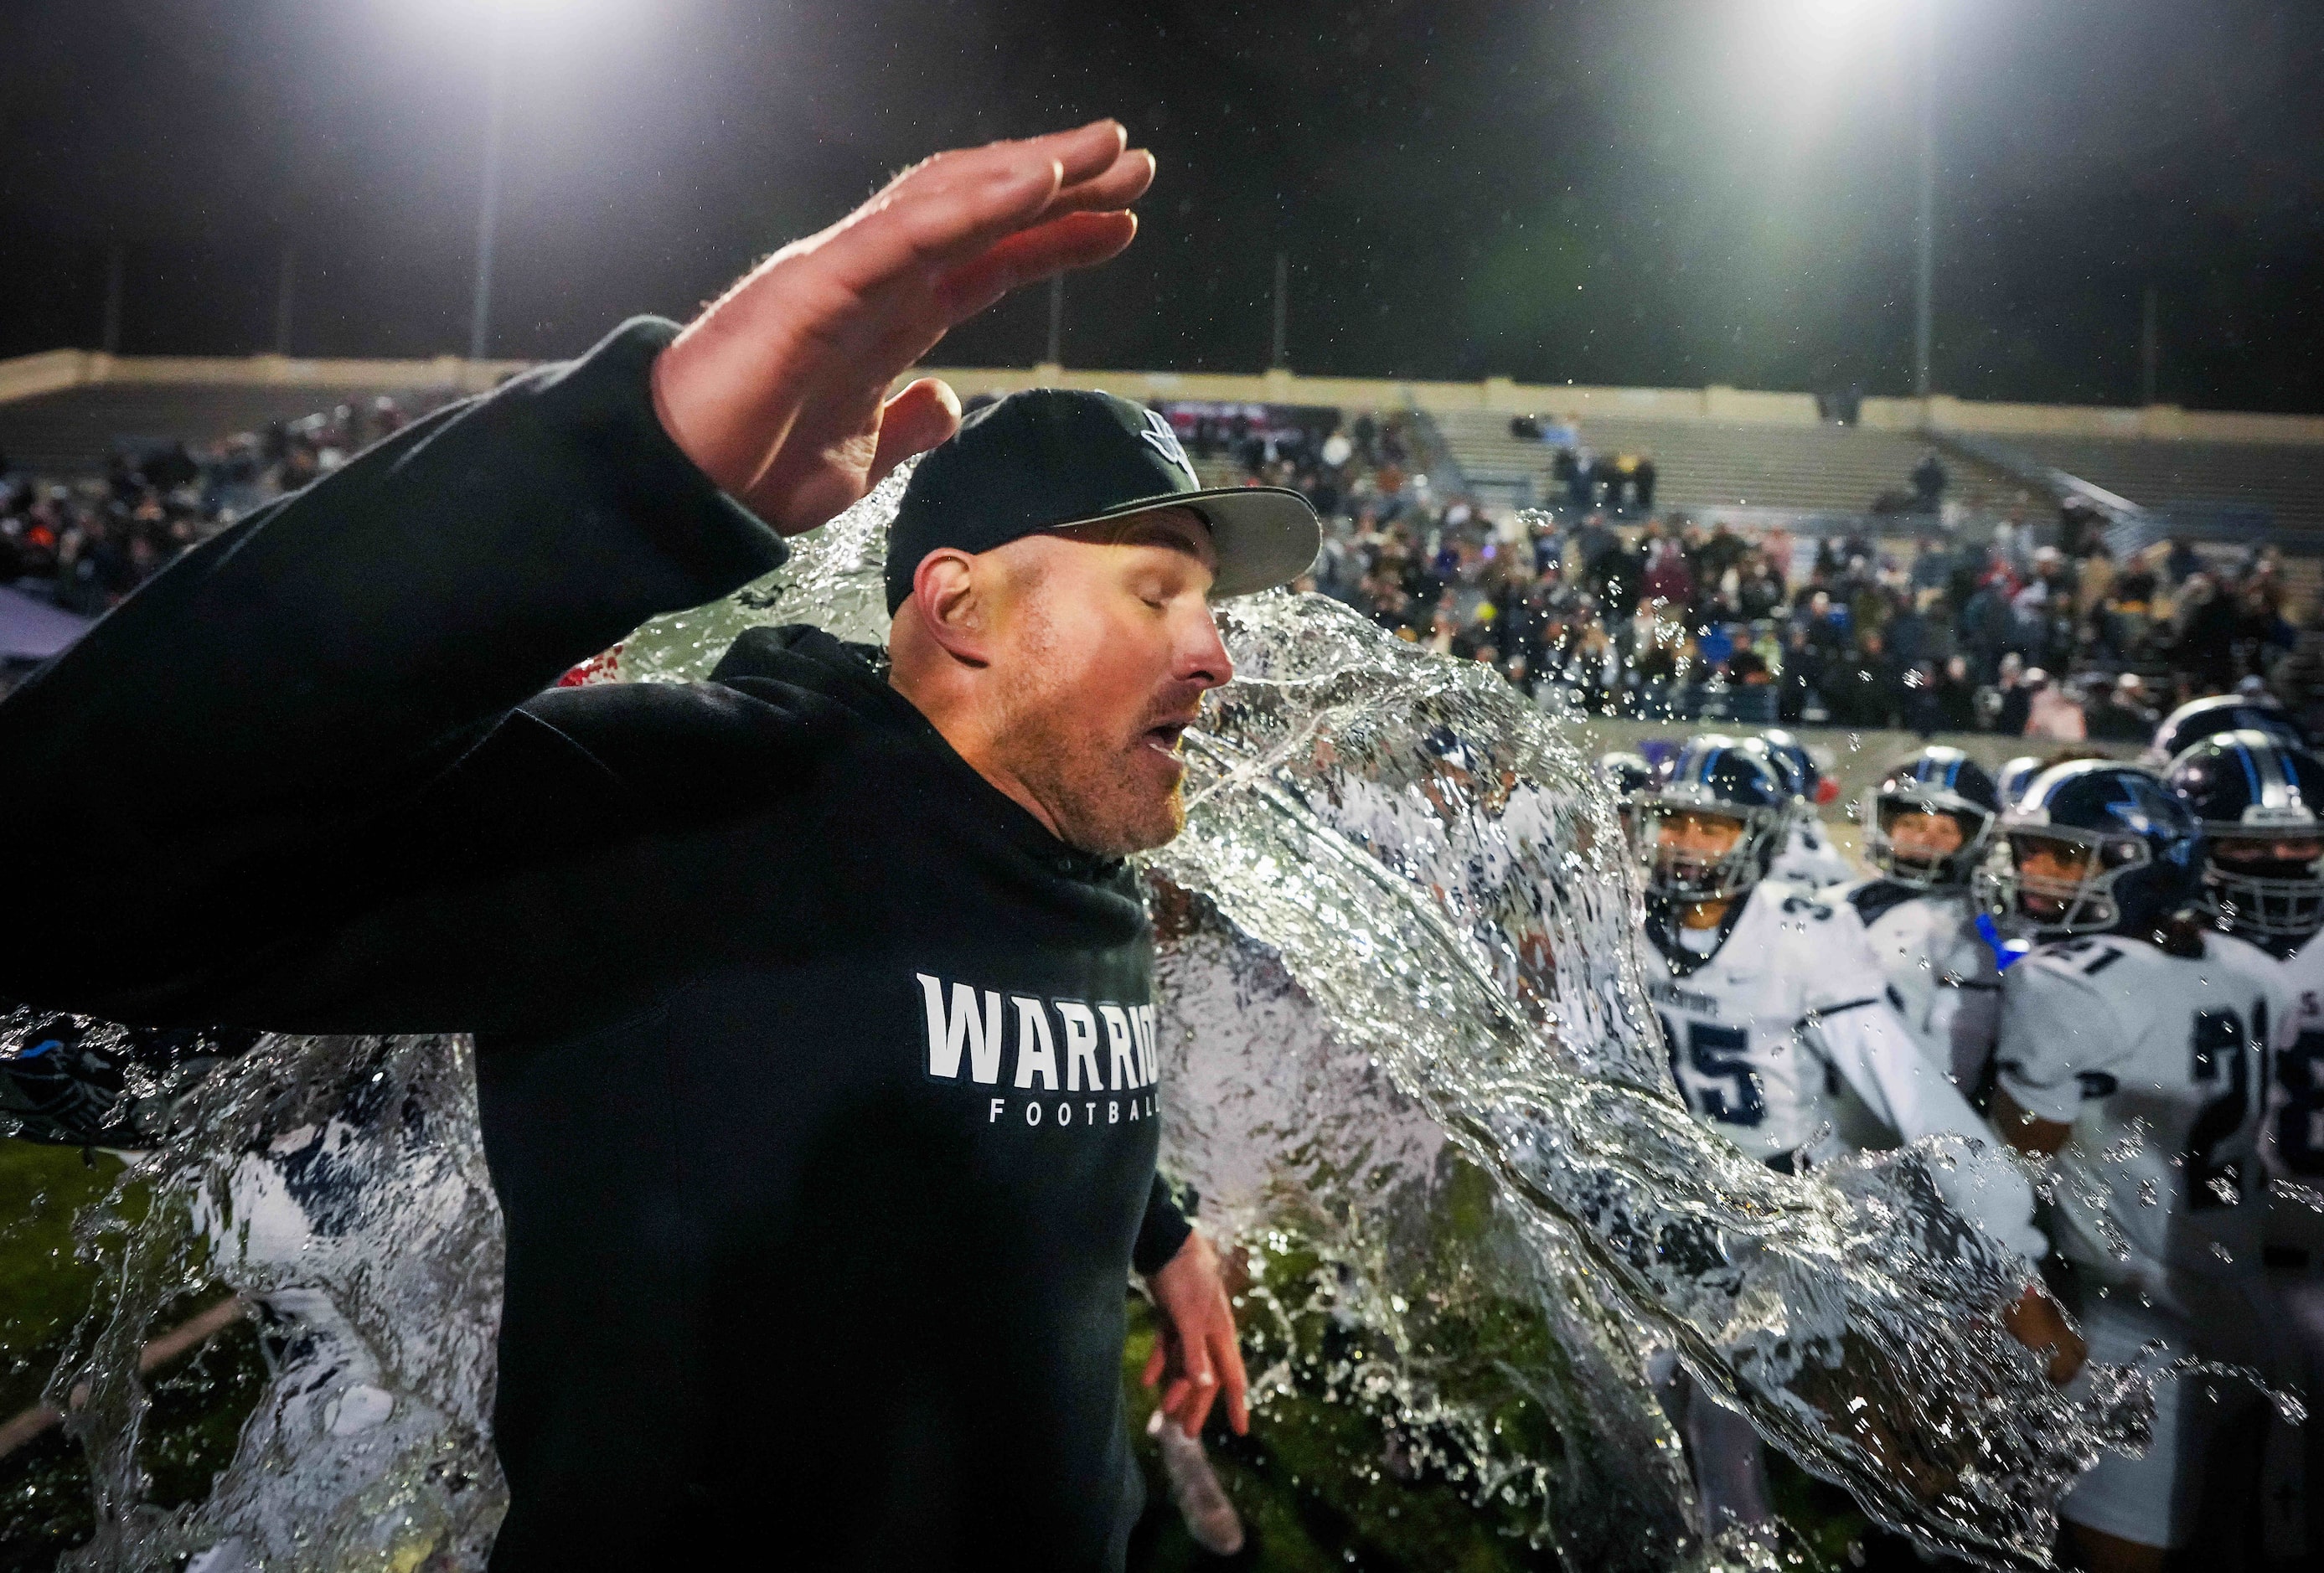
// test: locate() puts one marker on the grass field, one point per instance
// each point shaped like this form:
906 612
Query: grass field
1314 1480
46 1289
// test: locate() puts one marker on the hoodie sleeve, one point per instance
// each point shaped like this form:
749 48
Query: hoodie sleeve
1160 1233
315 718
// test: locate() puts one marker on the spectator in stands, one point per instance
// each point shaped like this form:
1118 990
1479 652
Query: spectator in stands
2013 700
1759 590
2299 676
2054 710
1928 480
1668 581
2120 713
2204 639
2094 583
2079 522
1955 697
2180 561
1865 688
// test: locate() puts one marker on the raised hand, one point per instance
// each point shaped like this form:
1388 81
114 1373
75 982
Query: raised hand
778 389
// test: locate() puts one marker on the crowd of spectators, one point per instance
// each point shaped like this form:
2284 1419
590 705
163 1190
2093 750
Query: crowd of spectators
1986 627
1600 603
84 545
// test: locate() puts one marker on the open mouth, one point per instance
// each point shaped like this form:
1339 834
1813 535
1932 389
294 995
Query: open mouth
1166 736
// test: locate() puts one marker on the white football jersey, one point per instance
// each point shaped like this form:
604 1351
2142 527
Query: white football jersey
2160 1065
1807 856
2291 1136
1947 983
1789 1015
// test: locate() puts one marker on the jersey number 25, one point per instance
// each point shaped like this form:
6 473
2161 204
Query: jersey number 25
1718 1054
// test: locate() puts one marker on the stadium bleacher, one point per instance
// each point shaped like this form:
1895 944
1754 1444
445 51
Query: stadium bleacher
74 430
1701 465
2194 479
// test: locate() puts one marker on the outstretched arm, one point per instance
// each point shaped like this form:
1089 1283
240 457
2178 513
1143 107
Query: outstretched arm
775 390
213 765
1872 1051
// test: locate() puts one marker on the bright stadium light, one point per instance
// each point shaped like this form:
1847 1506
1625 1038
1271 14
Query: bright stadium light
1804 53
501 22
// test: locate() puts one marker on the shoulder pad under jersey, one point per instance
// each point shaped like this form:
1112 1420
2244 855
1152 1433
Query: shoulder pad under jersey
1875 898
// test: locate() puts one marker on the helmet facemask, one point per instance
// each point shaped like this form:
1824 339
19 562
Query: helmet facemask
2054 904
1915 865
2251 891
1697 874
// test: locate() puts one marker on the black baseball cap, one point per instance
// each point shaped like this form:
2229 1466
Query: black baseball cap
1047 458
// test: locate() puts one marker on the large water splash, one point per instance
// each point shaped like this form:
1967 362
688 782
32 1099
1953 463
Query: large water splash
1396 955
1410 1070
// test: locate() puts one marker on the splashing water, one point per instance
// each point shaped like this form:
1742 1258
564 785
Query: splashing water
338 1185
1410 1070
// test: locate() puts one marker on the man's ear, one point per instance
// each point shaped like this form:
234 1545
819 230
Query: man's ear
953 606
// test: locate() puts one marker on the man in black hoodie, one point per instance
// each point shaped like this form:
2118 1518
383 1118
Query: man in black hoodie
817 1057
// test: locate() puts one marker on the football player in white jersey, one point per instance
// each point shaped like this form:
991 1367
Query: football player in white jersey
2133 1045
2257 798
1927 823
1767 996
1806 855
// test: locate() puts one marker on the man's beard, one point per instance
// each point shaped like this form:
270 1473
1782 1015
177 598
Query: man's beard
1094 787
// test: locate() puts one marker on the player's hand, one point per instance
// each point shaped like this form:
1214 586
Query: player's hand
1195 1352
2035 1322
776 391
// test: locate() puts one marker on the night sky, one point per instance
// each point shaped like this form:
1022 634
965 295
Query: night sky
1666 192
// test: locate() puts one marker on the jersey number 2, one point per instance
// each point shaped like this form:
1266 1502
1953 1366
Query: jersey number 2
2301 1069
1719 1053
2219 1044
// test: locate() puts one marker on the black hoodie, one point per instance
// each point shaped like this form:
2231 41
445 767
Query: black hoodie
816 1076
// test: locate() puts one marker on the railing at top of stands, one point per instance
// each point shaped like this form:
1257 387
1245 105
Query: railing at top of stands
2132 527
1446 477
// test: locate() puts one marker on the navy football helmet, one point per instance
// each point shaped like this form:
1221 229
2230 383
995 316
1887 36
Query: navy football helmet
1936 780
2198 718
2015 776
2120 854
1714 777
2257 798
1625 773
1793 762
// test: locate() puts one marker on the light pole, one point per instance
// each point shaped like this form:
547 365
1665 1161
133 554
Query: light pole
1924 269
1279 358
488 202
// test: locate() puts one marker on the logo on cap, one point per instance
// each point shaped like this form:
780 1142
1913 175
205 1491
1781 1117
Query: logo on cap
1164 440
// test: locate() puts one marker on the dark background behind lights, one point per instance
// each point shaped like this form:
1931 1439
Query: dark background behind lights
1666 192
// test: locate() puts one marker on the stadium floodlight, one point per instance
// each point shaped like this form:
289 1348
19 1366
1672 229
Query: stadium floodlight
501 20
1818 38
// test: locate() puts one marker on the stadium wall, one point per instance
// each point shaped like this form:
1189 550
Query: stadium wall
25 376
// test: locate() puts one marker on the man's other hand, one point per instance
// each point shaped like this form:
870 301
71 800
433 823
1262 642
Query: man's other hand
1194 1352
776 391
